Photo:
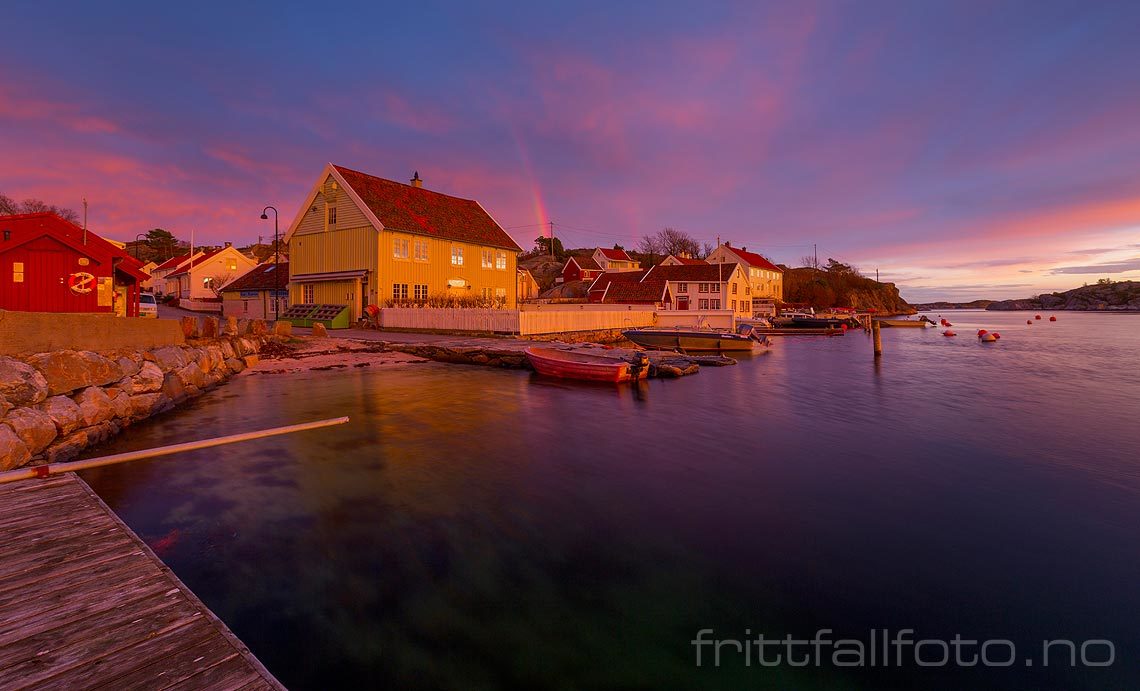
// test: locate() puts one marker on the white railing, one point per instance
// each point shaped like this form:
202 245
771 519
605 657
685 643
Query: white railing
529 320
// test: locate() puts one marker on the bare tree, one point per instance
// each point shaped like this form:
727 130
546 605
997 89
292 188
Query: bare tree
669 241
809 261
31 206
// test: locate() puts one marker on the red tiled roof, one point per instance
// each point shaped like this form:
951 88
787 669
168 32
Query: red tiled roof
266 276
417 210
753 259
694 273
586 263
605 279
626 292
618 255
172 263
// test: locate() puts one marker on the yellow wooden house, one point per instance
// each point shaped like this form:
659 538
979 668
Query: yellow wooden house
361 240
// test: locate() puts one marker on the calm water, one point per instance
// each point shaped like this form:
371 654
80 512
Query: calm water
474 528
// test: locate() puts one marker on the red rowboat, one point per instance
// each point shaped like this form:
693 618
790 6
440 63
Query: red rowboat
570 365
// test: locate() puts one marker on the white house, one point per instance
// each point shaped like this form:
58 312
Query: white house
200 280
706 286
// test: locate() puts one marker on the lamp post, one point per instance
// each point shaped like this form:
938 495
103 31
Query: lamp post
140 235
276 263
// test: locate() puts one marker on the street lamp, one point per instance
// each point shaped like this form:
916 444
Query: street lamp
140 235
276 263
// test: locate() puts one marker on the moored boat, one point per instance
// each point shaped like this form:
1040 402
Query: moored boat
902 323
573 365
690 339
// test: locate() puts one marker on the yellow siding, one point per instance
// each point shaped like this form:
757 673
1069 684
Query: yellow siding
438 269
329 293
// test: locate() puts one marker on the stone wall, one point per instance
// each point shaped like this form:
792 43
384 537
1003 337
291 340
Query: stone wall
55 404
24 333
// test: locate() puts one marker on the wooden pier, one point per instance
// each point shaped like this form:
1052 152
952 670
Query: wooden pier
84 603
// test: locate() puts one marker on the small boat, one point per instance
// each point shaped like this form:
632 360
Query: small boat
913 323
809 320
572 365
690 339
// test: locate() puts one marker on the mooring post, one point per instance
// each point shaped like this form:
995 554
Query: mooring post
876 334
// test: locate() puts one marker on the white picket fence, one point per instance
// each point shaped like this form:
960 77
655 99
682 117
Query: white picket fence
531 320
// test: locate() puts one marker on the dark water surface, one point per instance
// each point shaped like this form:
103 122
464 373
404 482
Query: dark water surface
480 529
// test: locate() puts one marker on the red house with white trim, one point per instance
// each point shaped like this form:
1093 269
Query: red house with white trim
48 264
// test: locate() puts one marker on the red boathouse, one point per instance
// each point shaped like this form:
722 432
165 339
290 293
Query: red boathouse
48 264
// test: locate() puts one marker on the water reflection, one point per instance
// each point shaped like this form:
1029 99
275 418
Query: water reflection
484 528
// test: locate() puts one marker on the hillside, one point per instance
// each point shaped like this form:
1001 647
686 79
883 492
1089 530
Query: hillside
1118 296
841 286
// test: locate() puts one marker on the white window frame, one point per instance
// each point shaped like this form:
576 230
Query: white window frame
456 255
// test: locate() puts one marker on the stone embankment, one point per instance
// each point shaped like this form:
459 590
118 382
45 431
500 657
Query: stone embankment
53 405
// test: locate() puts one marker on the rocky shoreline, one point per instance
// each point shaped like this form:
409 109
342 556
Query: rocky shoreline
54 405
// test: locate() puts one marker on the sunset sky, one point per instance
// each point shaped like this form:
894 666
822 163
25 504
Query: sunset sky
965 150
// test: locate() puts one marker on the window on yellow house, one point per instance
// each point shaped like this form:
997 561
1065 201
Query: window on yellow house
734 289
332 215
399 291
421 292
307 294
231 264
421 251
400 248
488 259
500 292
456 256
501 261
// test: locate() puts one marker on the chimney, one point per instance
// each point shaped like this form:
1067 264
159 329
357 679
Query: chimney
416 181
229 244
743 249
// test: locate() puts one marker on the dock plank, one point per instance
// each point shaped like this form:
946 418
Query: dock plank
85 603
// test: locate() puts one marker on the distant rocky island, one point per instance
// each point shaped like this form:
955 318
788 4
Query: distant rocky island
1104 295
936 306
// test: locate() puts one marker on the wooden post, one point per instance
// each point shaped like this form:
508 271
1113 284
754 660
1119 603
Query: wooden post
876 334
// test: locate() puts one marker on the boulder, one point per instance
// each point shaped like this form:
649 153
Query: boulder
130 366
231 327
71 370
217 358
146 404
148 380
227 349
167 357
13 452
94 405
5 406
20 383
210 327
283 328
190 327
319 331
173 388
191 375
121 402
258 327
101 432
251 360
243 328
64 413
66 448
34 427
235 365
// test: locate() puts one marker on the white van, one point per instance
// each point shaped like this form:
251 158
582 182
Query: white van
148 307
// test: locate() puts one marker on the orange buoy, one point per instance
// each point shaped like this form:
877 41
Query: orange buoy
948 332
1037 316
988 338
1052 319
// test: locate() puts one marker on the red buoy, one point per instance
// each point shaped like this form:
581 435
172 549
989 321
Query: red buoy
1037 316
996 335
1052 319
982 332
948 332
1029 321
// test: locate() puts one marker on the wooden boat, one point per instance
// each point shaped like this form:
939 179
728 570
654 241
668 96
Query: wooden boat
912 323
572 365
690 339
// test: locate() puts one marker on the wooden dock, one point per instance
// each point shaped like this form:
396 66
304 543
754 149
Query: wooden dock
84 603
